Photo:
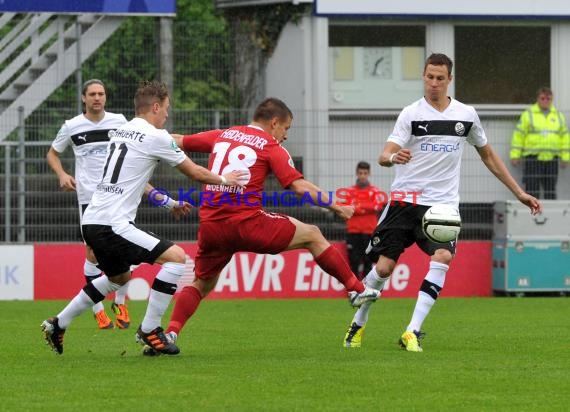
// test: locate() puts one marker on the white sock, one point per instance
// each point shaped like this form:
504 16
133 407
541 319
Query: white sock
98 307
159 300
436 276
90 270
121 294
76 307
82 301
372 280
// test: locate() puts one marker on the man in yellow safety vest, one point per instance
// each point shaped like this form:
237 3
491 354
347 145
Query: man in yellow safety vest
539 142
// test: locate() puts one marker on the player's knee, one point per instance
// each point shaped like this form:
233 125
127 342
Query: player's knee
179 254
310 237
90 255
174 254
383 272
383 268
120 279
313 232
443 256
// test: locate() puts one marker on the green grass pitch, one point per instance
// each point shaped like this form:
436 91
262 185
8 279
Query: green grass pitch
480 354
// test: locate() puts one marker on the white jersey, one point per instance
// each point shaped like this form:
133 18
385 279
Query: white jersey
436 140
133 153
89 141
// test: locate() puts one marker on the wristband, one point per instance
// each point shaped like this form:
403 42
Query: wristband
169 204
224 180
392 156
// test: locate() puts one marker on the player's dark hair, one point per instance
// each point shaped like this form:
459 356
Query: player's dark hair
86 86
439 59
270 108
363 165
89 83
148 93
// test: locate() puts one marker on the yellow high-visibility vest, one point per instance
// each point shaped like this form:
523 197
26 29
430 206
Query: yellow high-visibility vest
544 136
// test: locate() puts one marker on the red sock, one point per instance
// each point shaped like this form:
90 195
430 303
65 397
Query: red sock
186 304
332 262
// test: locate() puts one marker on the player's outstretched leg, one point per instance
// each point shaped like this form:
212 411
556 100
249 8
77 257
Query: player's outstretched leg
354 335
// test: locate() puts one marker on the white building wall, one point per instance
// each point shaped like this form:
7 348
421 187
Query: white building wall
440 39
560 64
286 69
297 73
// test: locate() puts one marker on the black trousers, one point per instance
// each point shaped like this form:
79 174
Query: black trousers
356 244
539 174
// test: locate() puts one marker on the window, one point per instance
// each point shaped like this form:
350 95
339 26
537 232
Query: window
374 66
501 65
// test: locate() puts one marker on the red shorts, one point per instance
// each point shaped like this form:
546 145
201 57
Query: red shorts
261 232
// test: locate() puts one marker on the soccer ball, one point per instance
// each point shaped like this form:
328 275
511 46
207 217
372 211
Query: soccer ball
441 223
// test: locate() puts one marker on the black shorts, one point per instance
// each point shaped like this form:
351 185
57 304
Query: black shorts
118 247
399 227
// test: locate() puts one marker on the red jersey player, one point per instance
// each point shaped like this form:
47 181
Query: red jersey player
367 204
228 225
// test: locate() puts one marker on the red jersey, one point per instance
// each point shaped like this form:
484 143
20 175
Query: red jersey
365 218
240 148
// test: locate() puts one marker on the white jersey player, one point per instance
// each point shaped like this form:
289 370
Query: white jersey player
88 135
134 152
89 141
425 148
437 140
108 223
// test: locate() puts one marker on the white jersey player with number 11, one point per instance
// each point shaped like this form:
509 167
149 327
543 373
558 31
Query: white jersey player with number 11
108 223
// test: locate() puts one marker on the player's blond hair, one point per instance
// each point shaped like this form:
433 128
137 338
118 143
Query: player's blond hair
148 93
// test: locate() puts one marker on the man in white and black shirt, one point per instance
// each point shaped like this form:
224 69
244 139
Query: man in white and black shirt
108 222
88 135
425 147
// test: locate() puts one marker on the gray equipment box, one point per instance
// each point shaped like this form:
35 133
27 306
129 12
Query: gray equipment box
531 253
512 220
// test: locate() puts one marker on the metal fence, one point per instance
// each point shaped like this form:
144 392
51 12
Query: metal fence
34 209
327 146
